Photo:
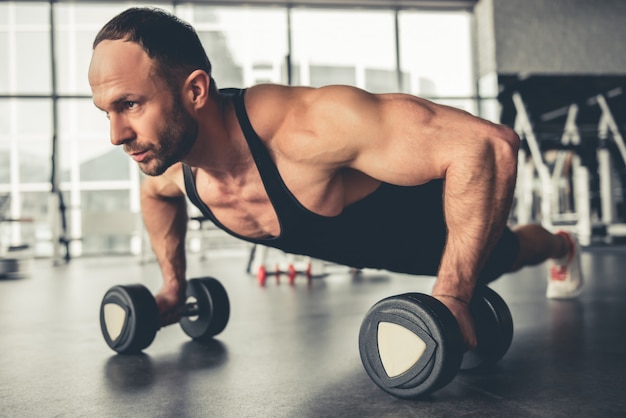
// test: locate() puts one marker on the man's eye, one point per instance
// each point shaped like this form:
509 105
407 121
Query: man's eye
130 105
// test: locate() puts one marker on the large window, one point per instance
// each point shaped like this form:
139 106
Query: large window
246 46
424 53
26 126
342 47
435 52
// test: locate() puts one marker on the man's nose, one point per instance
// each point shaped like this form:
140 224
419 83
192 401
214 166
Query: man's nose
121 131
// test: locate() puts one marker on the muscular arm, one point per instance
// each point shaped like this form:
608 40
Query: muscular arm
477 198
404 140
164 212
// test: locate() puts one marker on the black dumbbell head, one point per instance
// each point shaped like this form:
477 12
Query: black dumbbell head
410 345
493 324
129 318
213 309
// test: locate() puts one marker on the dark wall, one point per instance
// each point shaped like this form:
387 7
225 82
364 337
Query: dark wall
551 36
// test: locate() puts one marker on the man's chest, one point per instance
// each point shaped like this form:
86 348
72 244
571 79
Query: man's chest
243 205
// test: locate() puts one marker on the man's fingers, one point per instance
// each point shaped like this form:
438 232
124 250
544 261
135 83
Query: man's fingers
461 312
169 308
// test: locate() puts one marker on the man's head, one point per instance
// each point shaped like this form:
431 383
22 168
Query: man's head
147 71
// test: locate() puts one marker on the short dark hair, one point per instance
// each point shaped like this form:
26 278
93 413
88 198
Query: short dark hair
172 43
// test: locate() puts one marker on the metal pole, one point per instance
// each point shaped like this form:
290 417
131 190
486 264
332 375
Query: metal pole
289 48
399 77
543 173
56 208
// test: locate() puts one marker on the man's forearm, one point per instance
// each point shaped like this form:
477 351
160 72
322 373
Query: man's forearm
166 222
477 198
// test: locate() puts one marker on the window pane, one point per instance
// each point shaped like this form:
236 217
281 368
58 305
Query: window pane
79 118
33 62
246 45
5 163
34 161
31 132
70 15
32 13
4 63
93 161
490 109
76 28
33 117
347 50
435 50
73 54
97 201
116 205
84 144
109 244
322 75
7 128
25 48
5 119
4 14
35 205
112 165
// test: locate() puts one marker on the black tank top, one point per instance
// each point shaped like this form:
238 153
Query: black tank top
395 228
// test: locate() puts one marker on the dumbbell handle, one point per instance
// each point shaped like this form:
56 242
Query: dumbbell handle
189 309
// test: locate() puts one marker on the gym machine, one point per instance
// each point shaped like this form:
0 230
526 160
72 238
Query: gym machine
612 162
553 186
571 171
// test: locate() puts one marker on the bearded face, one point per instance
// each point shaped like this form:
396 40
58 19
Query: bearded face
176 137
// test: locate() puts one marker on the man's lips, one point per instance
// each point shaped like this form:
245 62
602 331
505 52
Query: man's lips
138 156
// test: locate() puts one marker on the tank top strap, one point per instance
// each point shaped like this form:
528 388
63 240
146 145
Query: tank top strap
280 196
192 193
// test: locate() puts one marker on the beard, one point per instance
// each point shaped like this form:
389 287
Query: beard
176 139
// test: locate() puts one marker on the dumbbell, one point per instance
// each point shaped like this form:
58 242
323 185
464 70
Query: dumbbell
129 317
411 344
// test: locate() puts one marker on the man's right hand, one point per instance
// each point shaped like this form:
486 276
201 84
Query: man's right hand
461 312
169 301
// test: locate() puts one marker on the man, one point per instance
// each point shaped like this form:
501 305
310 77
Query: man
387 181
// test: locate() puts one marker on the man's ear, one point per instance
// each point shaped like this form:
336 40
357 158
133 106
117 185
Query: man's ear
196 88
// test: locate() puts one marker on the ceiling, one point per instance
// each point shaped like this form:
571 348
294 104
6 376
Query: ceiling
419 4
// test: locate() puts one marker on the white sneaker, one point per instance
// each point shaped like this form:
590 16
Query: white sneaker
565 279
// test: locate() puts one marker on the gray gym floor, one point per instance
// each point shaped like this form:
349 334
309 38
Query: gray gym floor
291 351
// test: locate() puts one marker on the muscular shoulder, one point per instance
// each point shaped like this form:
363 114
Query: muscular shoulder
311 123
270 106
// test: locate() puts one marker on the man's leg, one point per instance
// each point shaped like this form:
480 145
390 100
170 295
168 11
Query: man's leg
536 245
